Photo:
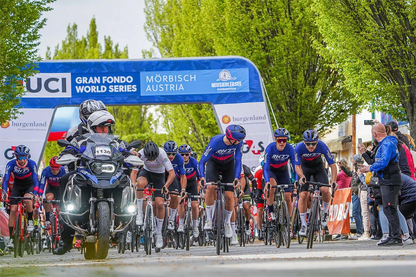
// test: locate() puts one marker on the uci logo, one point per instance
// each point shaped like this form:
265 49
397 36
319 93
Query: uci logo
49 85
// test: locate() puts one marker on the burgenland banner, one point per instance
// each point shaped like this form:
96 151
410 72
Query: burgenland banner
253 117
30 129
339 212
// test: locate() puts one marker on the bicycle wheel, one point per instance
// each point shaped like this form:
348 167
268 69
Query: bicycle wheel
188 229
148 231
219 226
296 228
53 232
277 230
285 225
16 237
312 225
240 228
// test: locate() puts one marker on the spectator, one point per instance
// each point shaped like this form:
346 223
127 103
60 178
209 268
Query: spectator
395 130
356 206
412 147
408 201
344 175
387 170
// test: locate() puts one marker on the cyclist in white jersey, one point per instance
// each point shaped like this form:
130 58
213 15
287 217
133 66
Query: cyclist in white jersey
155 163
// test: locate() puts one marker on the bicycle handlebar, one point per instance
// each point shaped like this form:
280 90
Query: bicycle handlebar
52 201
319 184
21 198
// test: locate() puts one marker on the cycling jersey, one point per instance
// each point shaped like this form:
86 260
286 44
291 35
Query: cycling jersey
23 177
157 166
178 165
304 157
48 177
191 169
220 153
246 172
276 160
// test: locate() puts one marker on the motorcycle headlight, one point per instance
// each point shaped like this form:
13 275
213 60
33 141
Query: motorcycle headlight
108 168
97 168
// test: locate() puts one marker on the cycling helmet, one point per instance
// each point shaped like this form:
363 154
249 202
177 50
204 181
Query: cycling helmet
185 149
310 135
151 151
170 147
100 118
194 155
21 150
281 132
53 164
235 132
88 107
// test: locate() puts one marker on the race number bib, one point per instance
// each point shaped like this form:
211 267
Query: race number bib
102 151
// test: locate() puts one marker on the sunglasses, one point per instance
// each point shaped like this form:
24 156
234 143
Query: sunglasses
281 140
185 155
171 154
311 143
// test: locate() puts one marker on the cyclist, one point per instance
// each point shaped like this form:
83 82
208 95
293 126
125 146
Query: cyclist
191 186
247 180
258 175
308 163
25 184
51 175
222 156
155 163
99 122
171 149
276 170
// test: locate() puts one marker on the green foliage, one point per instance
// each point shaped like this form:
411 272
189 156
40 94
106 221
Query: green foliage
277 36
374 44
20 22
51 149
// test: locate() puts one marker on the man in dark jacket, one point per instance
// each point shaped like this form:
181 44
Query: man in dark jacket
386 168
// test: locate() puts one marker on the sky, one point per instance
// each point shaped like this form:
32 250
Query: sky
122 20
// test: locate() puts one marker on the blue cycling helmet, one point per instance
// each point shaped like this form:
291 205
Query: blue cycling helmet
310 135
281 132
170 147
194 155
184 149
21 150
235 132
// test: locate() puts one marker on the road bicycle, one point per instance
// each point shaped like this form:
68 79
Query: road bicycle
295 221
20 234
188 219
52 235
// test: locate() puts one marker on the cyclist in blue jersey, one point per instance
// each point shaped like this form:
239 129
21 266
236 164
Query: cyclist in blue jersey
276 170
26 184
171 149
51 175
222 157
308 163
191 186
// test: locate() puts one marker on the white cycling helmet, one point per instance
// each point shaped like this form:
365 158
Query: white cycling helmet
100 118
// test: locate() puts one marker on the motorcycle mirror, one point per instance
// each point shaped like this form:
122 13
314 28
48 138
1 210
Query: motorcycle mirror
63 143
135 144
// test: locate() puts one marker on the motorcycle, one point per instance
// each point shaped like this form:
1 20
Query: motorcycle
99 199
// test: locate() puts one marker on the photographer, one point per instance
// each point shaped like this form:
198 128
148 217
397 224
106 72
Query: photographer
386 168
359 211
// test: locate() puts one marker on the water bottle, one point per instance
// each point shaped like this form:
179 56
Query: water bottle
128 237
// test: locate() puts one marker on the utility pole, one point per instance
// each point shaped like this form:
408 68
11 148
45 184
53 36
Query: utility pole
354 136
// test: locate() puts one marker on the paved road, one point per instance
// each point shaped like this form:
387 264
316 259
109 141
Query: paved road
345 258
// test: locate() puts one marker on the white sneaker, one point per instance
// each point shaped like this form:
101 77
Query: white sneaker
302 231
181 228
228 231
408 240
208 225
159 241
364 236
139 218
10 244
324 220
248 232
273 216
171 225
30 226
195 232
234 240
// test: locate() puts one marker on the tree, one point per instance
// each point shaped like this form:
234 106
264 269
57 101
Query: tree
132 122
374 44
20 22
304 90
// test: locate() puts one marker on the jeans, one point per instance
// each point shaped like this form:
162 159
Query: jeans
356 213
385 223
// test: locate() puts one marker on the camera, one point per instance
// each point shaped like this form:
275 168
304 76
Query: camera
369 122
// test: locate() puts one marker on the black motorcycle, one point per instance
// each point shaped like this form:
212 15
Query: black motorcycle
99 199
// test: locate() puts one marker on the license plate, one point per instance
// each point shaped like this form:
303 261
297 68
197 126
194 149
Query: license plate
102 151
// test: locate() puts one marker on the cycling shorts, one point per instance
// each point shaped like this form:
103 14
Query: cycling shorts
281 177
157 179
214 170
56 190
20 191
247 192
259 199
176 184
316 171
192 188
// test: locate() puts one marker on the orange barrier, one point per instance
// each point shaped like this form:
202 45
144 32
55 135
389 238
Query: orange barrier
339 212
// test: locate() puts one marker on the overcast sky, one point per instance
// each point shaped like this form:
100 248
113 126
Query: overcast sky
122 20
